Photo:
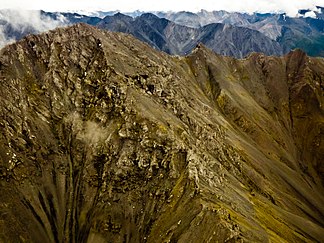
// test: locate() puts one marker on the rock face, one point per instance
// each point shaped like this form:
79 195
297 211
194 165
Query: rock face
104 139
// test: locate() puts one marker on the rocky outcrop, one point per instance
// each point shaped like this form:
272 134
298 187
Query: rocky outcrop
104 139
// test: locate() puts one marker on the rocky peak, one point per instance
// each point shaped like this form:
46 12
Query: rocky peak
149 16
122 16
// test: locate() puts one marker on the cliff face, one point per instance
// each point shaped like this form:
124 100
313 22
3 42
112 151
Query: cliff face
104 139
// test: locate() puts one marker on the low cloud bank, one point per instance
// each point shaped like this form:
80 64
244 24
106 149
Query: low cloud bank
14 24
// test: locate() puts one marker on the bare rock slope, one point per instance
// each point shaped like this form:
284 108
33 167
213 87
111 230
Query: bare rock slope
104 139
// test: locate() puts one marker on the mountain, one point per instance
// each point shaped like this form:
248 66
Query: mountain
104 139
234 34
265 23
304 32
237 42
71 18
176 39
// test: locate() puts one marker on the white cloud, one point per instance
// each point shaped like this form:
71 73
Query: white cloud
22 20
310 14
289 6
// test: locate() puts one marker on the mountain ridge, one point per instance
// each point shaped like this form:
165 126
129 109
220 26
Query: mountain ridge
106 139
180 40
277 33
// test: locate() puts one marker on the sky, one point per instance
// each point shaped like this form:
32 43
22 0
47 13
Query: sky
288 6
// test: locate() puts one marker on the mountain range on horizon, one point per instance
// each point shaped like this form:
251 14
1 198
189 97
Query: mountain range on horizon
177 33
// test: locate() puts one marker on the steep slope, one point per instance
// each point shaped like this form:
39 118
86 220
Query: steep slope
304 33
104 139
159 33
236 41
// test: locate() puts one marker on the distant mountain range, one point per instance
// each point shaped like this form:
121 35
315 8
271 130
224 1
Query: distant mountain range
178 39
304 31
177 33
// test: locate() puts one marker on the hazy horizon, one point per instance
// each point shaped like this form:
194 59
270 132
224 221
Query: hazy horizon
288 6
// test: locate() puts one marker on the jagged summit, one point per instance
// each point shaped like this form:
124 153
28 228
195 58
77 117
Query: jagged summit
104 138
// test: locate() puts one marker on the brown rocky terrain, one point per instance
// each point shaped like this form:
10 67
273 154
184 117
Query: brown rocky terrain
104 139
